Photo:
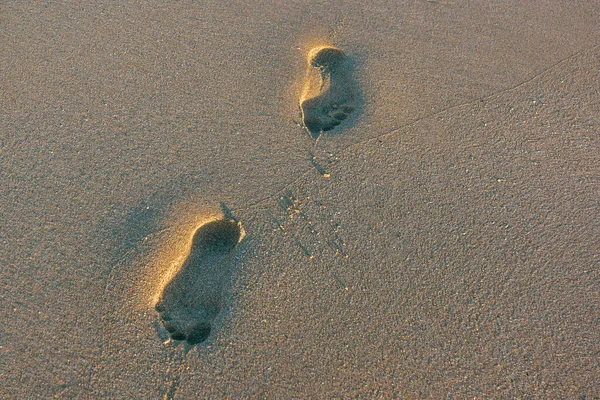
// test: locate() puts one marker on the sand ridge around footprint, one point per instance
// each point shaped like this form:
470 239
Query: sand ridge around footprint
329 95
194 297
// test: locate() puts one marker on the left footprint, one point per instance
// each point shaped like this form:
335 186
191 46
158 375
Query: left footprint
190 302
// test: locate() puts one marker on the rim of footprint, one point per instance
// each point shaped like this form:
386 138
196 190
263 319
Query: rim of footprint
329 96
190 302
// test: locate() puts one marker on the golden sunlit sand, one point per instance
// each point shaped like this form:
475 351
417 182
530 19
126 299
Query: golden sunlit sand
167 250
440 241
197 292
329 95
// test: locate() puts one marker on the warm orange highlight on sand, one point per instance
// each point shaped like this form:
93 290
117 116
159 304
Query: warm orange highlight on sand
175 250
313 82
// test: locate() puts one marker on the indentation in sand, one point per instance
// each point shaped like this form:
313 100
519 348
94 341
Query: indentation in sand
329 95
173 251
192 294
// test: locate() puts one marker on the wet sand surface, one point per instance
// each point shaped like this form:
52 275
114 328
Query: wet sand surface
443 244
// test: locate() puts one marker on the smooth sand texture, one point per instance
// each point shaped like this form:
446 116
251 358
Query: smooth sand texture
444 244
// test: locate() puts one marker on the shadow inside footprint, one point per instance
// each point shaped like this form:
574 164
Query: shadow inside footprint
190 302
332 98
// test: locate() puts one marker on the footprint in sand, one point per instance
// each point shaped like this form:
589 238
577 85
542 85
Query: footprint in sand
329 95
190 302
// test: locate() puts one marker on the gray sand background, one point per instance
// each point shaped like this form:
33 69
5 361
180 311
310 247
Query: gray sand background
452 250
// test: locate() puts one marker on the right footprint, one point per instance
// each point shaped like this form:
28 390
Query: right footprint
330 98
190 302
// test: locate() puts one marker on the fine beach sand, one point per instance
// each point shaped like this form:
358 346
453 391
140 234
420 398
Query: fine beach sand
441 241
